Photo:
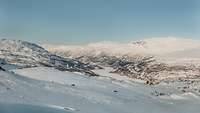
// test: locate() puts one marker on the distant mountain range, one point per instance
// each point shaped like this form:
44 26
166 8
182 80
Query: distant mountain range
153 60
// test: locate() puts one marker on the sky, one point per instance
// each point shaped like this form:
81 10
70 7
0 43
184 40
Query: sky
85 21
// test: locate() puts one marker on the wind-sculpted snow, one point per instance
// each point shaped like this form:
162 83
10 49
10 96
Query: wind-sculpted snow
21 54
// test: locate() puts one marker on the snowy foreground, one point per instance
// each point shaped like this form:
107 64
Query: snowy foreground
76 93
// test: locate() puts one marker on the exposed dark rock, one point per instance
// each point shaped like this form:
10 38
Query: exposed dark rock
73 85
2 69
156 93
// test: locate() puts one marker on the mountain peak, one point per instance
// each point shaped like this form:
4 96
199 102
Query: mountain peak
19 45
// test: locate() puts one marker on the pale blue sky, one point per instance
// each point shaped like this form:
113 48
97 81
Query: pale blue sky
83 21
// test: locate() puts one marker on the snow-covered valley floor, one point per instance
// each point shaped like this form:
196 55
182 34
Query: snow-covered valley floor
83 94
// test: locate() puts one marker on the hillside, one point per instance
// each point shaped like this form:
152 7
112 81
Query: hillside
22 54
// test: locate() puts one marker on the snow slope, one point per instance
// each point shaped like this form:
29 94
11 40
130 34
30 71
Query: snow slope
83 94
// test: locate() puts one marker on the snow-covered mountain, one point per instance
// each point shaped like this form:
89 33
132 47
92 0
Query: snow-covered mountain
167 50
146 59
146 66
22 54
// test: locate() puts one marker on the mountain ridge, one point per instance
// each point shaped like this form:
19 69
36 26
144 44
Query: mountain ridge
22 54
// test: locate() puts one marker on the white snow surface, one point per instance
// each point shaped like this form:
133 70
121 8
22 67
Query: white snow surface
105 94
